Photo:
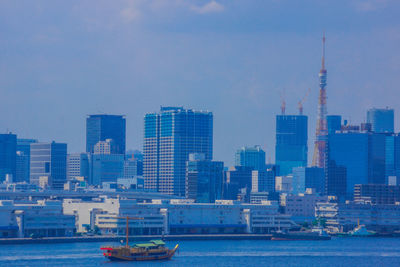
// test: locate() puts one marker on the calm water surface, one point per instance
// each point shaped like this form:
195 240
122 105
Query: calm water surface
336 252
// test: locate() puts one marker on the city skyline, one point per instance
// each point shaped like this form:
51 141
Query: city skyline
243 67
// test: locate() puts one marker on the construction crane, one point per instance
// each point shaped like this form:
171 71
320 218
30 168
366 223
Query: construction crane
127 226
301 102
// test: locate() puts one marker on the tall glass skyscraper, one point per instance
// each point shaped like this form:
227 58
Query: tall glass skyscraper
361 153
102 127
24 158
291 142
8 155
382 120
50 160
253 157
169 137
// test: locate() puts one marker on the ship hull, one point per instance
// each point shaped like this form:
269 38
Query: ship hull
290 237
114 255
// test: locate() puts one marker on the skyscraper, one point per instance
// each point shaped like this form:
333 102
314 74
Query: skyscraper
253 157
49 160
204 179
361 153
102 127
382 120
23 158
169 137
8 155
321 130
291 142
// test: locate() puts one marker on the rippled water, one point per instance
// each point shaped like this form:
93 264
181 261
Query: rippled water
336 252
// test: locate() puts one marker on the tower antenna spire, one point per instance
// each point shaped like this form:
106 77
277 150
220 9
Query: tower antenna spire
323 52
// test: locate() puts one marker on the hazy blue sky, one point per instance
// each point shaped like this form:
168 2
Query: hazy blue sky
62 60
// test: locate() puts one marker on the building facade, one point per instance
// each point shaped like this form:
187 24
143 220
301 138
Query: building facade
102 127
169 137
291 142
361 153
105 168
78 165
23 159
253 157
381 120
308 177
263 181
204 179
49 160
8 158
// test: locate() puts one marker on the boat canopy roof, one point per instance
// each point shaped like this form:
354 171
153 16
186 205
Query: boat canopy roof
152 243
145 245
158 242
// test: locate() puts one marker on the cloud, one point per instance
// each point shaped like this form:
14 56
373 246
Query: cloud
370 5
129 14
211 7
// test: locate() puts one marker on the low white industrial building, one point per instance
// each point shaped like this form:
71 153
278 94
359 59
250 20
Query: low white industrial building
176 216
43 218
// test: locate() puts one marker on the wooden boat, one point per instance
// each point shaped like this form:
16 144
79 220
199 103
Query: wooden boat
152 250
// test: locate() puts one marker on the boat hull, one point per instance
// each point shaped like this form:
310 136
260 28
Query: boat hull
292 237
109 254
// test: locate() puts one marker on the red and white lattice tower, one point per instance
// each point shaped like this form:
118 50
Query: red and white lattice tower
321 133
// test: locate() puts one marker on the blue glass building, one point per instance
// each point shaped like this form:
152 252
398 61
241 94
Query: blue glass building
102 127
382 120
253 157
49 159
8 155
23 158
169 137
291 142
361 153
308 177
106 168
204 179
334 123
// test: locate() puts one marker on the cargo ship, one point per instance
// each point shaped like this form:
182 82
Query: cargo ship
150 251
314 234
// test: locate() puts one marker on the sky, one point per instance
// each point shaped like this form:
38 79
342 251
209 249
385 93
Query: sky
63 60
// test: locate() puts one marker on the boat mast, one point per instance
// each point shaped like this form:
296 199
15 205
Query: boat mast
127 218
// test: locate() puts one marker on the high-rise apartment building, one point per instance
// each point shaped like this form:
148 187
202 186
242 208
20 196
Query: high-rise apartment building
253 157
102 127
381 120
204 179
49 160
8 157
169 137
291 142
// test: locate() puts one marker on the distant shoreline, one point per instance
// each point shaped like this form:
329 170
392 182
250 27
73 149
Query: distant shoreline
83 239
